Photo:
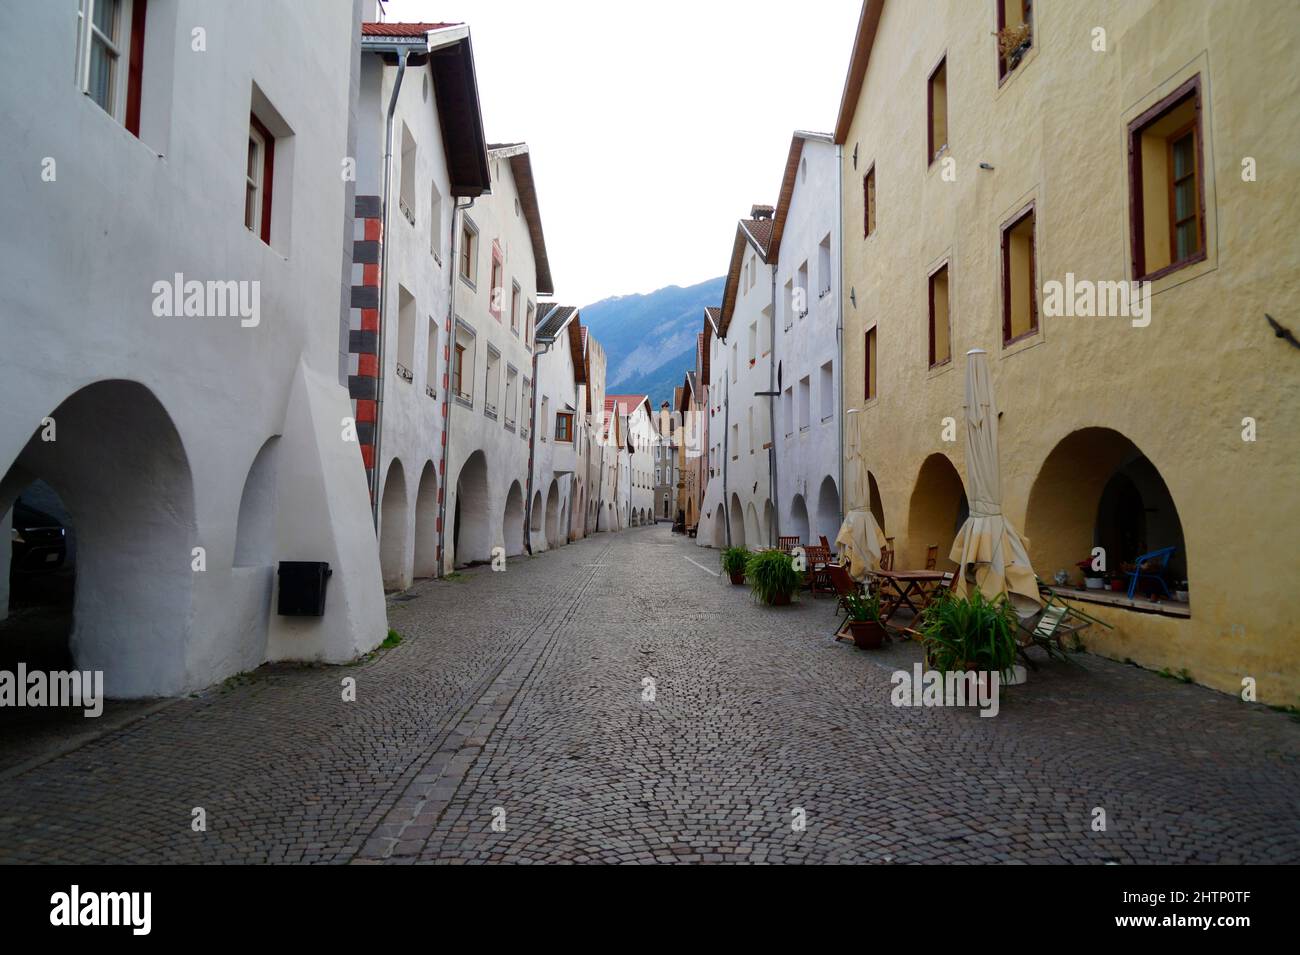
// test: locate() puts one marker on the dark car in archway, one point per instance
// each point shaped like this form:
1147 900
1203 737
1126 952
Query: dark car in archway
39 541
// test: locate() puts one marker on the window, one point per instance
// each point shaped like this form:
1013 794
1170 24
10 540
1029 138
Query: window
525 408
496 287
824 267
753 342
545 416
937 107
805 402
462 365
735 441
431 360
801 284
787 406
514 307
1015 34
260 178
869 365
468 251
110 36
1019 292
940 329
512 385
733 361
788 303
492 382
435 222
1166 182
406 317
869 202
828 391
564 426
406 193
750 427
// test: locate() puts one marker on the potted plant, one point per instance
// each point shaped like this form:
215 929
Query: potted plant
733 563
772 577
1092 579
1014 42
864 620
971 633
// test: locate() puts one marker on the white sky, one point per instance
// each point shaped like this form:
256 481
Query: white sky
652 127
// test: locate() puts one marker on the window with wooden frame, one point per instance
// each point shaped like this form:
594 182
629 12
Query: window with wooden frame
1166 184
937 111
496 291
514 307
528 323
564 426
869 362
458 370
468 251
1015 36
260 177
940 318
110 56
869 202
1019 277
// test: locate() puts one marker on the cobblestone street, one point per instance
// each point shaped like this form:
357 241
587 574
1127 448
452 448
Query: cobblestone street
516 698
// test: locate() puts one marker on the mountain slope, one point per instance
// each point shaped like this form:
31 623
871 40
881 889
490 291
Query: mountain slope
649 339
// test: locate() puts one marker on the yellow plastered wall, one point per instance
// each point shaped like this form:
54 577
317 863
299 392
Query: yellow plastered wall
1055 133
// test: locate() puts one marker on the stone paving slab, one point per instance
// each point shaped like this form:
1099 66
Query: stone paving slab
517 699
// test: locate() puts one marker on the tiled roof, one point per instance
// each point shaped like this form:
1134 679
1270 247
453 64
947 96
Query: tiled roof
761 230
402 29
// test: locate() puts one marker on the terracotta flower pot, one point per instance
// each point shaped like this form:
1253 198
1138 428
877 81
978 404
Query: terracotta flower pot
867 634
738 577
781 600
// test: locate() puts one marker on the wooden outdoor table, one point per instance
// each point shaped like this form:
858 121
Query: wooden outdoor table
898 587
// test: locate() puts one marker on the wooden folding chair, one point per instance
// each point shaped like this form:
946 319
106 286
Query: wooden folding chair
1049 627
932 557
787 544
818 557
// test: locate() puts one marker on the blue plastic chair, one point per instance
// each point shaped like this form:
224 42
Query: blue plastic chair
1162 556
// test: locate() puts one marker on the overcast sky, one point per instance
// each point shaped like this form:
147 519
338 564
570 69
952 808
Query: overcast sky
652 127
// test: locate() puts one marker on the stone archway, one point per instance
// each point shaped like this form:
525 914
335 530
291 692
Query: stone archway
1096 488
737 522
828 510
553 515
512 522
394 542
119 466
472 538
938 509
799 525
426 523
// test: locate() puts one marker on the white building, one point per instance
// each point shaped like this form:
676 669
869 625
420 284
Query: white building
428 138
639 456
745 377
171 316
558 479
712 530
805 250
501 268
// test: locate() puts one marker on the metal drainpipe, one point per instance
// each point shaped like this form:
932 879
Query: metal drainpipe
532 437
726 448
771 419
839 310
450 398
381 338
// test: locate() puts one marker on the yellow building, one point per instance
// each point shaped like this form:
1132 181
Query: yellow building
996 202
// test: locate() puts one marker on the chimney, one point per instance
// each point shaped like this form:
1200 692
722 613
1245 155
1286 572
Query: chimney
761 212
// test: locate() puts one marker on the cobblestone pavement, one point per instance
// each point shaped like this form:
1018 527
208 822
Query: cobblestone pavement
516 699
